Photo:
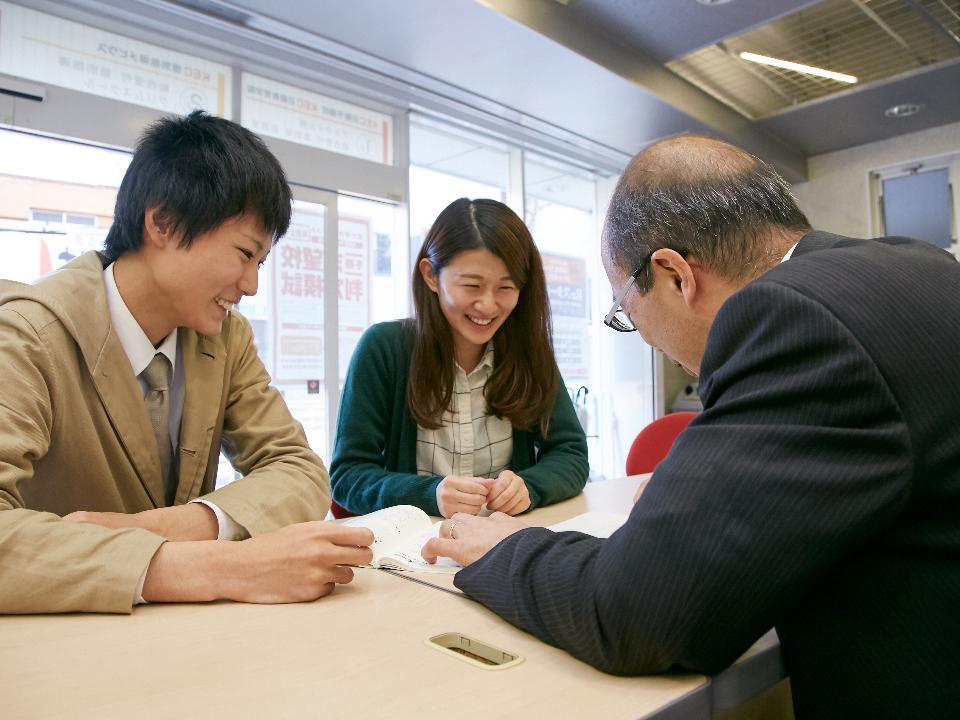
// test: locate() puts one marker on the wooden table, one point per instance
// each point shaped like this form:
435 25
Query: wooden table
358 653
755 672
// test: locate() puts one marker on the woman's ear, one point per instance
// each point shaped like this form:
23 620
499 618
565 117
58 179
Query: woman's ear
426 272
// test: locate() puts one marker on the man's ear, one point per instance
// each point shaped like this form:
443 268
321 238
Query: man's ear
669 266
156 228
426 272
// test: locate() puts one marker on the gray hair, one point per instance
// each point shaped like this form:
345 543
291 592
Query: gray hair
700 197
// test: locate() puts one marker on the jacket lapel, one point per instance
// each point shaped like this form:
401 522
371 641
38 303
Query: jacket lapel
203 369
121 397
82 306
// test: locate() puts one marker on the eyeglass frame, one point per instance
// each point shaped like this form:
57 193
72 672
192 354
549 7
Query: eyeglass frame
611 320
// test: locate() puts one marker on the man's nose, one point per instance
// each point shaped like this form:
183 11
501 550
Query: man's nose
249 280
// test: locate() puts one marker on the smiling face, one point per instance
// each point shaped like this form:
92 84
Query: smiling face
476 296
195 287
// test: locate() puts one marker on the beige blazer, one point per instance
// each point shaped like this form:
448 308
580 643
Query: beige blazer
74 435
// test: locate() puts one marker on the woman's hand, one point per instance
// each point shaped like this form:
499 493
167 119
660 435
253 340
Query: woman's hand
509 494
457 493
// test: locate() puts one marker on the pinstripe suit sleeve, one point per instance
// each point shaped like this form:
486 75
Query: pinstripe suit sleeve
800 457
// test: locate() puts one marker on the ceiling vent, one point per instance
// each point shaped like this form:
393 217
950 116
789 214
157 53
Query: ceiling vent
871 41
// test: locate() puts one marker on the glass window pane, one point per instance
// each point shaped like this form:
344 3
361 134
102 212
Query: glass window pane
287 319
446 164
373 282
559 209
42 181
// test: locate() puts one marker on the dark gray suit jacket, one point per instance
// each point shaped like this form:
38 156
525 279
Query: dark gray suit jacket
818 492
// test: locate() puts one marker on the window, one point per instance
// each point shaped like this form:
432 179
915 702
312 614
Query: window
446 164
559 209
62 218
76 185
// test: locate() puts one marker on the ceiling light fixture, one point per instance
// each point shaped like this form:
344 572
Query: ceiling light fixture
902 111
797 67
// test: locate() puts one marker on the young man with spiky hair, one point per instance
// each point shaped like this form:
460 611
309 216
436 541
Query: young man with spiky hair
125 374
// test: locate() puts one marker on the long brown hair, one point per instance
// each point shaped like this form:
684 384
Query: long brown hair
523 385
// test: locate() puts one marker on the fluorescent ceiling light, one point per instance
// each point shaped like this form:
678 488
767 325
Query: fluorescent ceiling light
797 67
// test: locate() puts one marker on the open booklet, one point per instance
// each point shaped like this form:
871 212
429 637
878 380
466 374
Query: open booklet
399 533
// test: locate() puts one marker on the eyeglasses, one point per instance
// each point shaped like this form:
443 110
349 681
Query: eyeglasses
617 319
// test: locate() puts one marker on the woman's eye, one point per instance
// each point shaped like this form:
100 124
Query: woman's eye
246 253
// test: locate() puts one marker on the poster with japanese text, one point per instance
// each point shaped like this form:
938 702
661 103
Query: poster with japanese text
567 289
45 48
290 113
297 282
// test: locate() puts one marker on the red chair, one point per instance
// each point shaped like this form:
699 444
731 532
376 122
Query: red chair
340 512
654 442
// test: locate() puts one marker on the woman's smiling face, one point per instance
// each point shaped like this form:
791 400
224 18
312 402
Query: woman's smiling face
476 295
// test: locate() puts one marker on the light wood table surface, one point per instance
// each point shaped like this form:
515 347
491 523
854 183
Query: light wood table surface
755 672
358 653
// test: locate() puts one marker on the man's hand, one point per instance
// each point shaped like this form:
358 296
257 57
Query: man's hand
193 521
509 494
296 563
466 538
640 488
456 493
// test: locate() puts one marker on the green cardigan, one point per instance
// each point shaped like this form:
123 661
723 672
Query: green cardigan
374 461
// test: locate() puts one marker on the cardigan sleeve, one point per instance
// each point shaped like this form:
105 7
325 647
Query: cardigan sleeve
367 421
561 467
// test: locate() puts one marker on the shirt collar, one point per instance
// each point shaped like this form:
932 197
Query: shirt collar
487 360
790 252
133 339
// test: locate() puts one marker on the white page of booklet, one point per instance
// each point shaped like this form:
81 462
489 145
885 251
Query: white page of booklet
399 533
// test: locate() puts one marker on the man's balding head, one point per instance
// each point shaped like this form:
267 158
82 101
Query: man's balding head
704 198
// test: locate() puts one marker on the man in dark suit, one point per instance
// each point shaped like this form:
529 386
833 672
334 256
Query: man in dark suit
819 490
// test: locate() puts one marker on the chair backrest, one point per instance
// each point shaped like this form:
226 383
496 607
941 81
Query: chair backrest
654 442
340 512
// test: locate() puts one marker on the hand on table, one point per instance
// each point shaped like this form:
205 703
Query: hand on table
296 563
640 488
466 538
457 493
508 494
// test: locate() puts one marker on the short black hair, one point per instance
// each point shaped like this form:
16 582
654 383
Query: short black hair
702 197
198 171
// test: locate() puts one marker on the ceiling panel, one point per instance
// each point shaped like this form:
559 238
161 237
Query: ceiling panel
869 40
667 29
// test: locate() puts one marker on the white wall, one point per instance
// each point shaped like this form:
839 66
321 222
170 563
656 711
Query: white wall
836 198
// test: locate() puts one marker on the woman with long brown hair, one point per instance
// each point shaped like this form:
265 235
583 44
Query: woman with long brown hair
462 406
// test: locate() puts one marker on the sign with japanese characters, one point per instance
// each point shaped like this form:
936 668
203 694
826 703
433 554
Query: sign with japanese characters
567 289
566 284
48 49
353 283
297 283
290 113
